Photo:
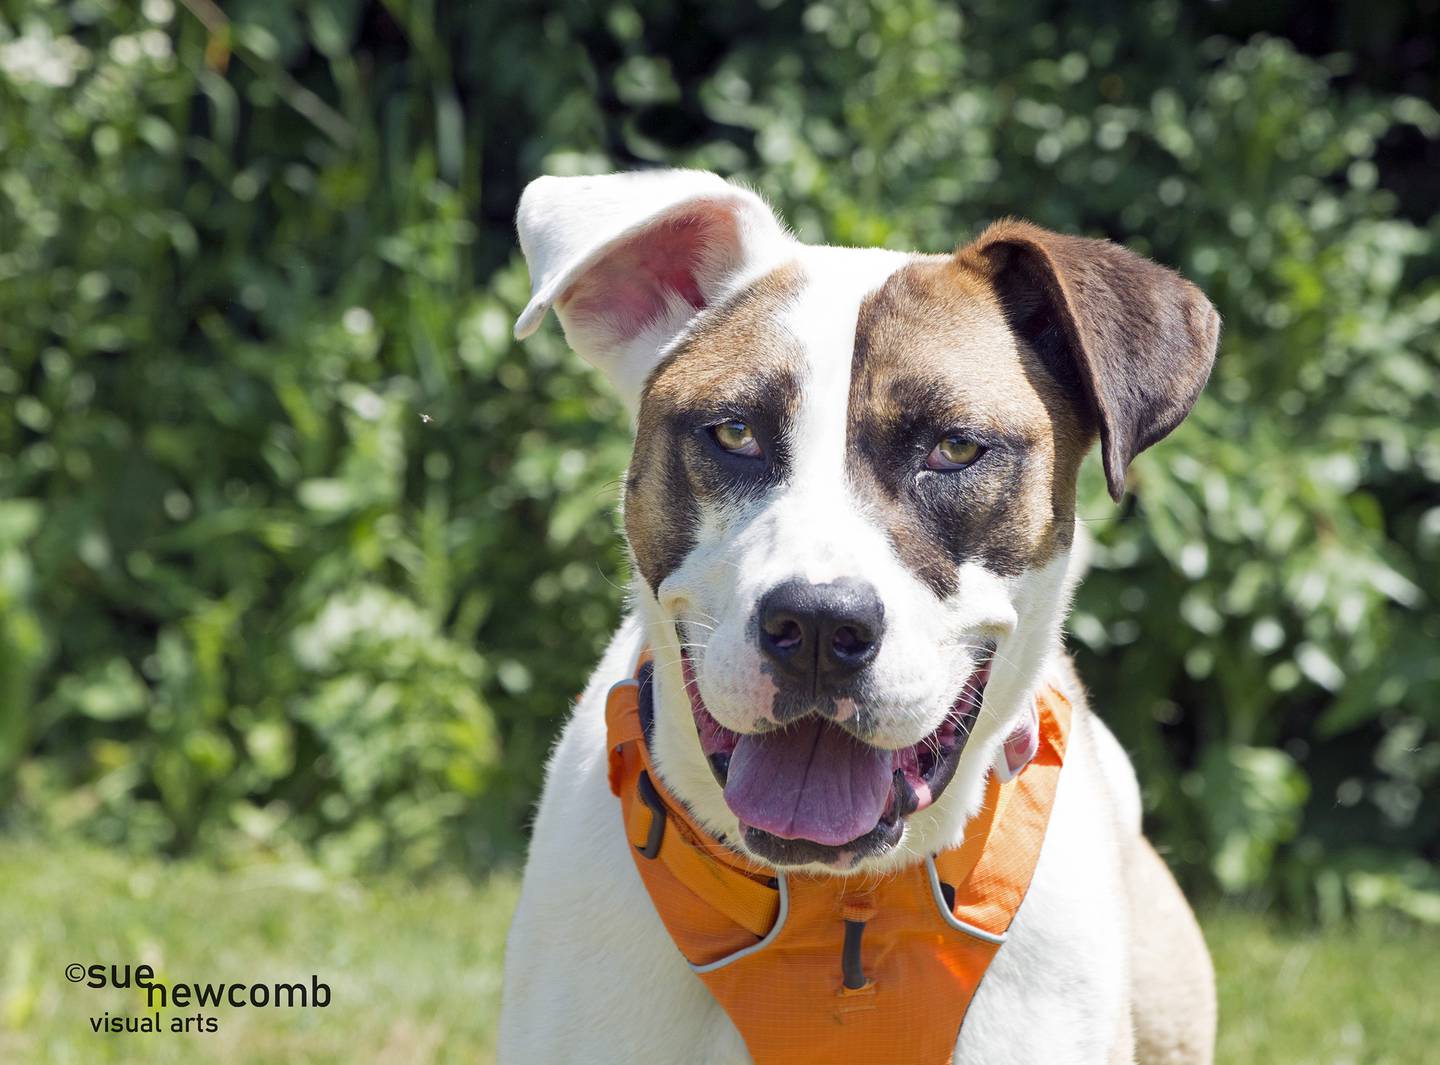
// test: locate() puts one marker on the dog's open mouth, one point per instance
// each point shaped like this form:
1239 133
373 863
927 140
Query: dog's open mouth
812 792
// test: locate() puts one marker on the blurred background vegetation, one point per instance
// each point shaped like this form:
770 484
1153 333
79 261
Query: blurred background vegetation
301 557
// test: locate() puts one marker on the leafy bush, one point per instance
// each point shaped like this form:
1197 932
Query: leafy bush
299 551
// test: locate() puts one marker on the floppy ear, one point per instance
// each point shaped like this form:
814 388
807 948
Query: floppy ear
628 259
1134 339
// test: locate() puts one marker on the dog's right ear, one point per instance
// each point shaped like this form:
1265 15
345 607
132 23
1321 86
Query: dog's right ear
628 259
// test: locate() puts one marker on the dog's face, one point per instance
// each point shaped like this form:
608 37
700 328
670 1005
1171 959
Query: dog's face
851 501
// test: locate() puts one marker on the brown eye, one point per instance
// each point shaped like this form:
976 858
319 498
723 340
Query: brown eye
955 452
737 438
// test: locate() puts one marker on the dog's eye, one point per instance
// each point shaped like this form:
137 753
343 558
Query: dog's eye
737 438
955 452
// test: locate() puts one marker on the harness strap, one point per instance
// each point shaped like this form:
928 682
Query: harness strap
722 879
814 970
991 881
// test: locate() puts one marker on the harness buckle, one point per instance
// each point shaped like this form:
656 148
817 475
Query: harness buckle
651 798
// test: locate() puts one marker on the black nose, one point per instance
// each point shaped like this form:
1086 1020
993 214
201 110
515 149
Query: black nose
821 634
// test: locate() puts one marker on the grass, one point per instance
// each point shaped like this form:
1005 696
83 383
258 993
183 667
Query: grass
415 971
1364 994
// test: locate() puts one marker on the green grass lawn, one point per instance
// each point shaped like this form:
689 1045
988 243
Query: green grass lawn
415 971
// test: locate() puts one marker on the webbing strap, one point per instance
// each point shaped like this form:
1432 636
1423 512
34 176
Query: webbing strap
815 970
698 861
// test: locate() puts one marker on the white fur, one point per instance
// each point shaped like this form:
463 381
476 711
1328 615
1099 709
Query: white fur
817 528
593 978
591 974
568 225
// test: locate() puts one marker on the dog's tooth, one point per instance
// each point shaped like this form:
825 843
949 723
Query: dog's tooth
906 800
720 766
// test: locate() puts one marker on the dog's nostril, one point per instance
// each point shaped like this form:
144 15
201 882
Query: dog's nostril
847 642
816 632
785 635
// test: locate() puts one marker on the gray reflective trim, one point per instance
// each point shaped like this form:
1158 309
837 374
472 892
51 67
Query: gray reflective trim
950 918
745 952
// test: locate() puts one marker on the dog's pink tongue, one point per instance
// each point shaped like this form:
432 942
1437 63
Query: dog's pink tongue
810 781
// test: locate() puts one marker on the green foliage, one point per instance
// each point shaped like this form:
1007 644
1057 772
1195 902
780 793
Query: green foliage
251 455
299 551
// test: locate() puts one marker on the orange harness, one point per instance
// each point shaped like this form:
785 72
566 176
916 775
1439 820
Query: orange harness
815 969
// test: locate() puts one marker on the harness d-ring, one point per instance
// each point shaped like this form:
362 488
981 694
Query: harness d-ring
651 798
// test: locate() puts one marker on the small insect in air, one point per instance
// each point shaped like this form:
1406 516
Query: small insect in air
426 419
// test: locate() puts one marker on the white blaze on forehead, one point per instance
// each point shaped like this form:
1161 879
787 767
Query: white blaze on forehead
816 526
819 507
821 524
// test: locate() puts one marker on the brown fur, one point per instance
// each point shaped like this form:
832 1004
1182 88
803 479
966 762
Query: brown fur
736 360
1172 1013
1031 341
934 353
1136 339
1171 979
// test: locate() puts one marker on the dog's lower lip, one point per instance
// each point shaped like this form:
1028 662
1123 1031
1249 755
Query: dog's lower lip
922 770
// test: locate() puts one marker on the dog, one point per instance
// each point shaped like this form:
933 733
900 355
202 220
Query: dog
850 513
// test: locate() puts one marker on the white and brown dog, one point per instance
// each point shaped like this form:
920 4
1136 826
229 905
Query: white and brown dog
851 510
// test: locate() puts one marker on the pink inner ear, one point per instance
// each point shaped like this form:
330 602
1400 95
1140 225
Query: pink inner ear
632 285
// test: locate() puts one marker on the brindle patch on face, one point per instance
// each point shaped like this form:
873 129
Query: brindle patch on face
738 362
934 356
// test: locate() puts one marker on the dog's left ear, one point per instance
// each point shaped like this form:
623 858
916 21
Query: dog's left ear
627 260
1134 339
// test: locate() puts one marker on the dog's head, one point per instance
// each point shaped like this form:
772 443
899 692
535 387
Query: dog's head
851 501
